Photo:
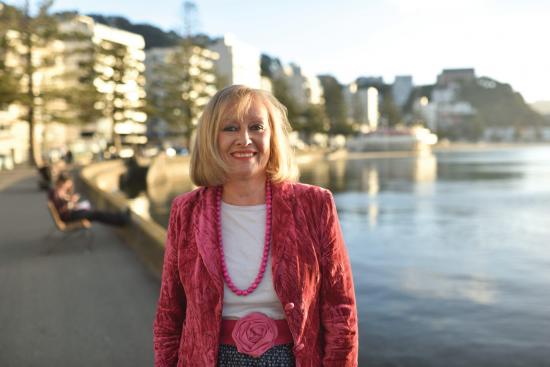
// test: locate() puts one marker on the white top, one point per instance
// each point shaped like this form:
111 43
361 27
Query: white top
243 231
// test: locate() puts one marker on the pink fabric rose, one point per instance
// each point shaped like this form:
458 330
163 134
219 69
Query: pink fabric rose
254 334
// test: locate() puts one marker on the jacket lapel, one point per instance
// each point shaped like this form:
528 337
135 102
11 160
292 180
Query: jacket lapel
207 237
283 239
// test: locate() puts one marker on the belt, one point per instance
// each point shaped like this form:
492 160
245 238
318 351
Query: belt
255 333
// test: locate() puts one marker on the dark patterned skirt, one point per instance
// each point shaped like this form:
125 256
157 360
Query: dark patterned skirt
278 356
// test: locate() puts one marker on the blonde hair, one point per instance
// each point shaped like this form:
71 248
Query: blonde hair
207 166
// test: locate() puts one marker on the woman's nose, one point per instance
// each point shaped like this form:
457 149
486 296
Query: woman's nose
244 137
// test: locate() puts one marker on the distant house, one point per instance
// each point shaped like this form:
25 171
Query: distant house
449 76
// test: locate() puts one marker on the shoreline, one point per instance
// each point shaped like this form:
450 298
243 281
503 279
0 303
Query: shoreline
308 157
465 146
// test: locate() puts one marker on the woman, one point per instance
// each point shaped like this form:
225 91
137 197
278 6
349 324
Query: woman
255 269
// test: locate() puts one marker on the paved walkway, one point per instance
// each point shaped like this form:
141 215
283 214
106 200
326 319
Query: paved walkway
8 178
71 307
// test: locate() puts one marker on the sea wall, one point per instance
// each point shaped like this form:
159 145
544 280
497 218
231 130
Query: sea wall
99 181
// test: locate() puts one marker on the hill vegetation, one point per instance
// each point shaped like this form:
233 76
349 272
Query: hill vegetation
498 105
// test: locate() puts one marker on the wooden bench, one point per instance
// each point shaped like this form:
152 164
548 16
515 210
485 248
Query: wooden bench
81 226
64 226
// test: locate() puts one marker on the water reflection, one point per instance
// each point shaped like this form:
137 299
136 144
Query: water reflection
473 288
373 176
370 175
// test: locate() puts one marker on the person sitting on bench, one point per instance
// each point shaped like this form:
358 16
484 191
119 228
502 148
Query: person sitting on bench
70 209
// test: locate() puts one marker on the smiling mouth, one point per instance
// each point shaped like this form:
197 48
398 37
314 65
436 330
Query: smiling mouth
243 154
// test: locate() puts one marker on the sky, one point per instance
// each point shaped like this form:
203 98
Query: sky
506 40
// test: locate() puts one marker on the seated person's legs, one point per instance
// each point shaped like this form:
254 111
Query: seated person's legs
117 219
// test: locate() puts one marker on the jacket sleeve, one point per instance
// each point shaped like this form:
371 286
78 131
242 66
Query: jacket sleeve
170 316
338 308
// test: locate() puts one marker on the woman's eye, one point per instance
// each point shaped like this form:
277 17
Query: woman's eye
257 127
230 128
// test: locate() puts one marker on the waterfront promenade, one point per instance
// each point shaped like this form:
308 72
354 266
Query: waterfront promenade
71 307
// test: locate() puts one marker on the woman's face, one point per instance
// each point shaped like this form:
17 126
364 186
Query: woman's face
65 188
245 144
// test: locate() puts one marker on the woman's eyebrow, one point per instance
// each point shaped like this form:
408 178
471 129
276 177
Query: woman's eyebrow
258 117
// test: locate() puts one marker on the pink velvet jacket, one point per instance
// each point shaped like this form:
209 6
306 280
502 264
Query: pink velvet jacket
311 276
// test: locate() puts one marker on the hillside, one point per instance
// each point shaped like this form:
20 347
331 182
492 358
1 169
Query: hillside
498 104
154 36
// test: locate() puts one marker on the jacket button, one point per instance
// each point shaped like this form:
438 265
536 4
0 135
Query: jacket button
299 347
289 306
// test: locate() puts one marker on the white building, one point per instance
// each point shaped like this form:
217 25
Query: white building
239 63
443 108
362 106
124 95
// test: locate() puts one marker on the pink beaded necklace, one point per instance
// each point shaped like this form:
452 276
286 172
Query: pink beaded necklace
261 272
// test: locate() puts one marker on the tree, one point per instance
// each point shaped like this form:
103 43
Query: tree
9 86
79 96
9 79
335 106
270 67
33 33
389 110
182 86
315 120
282 93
